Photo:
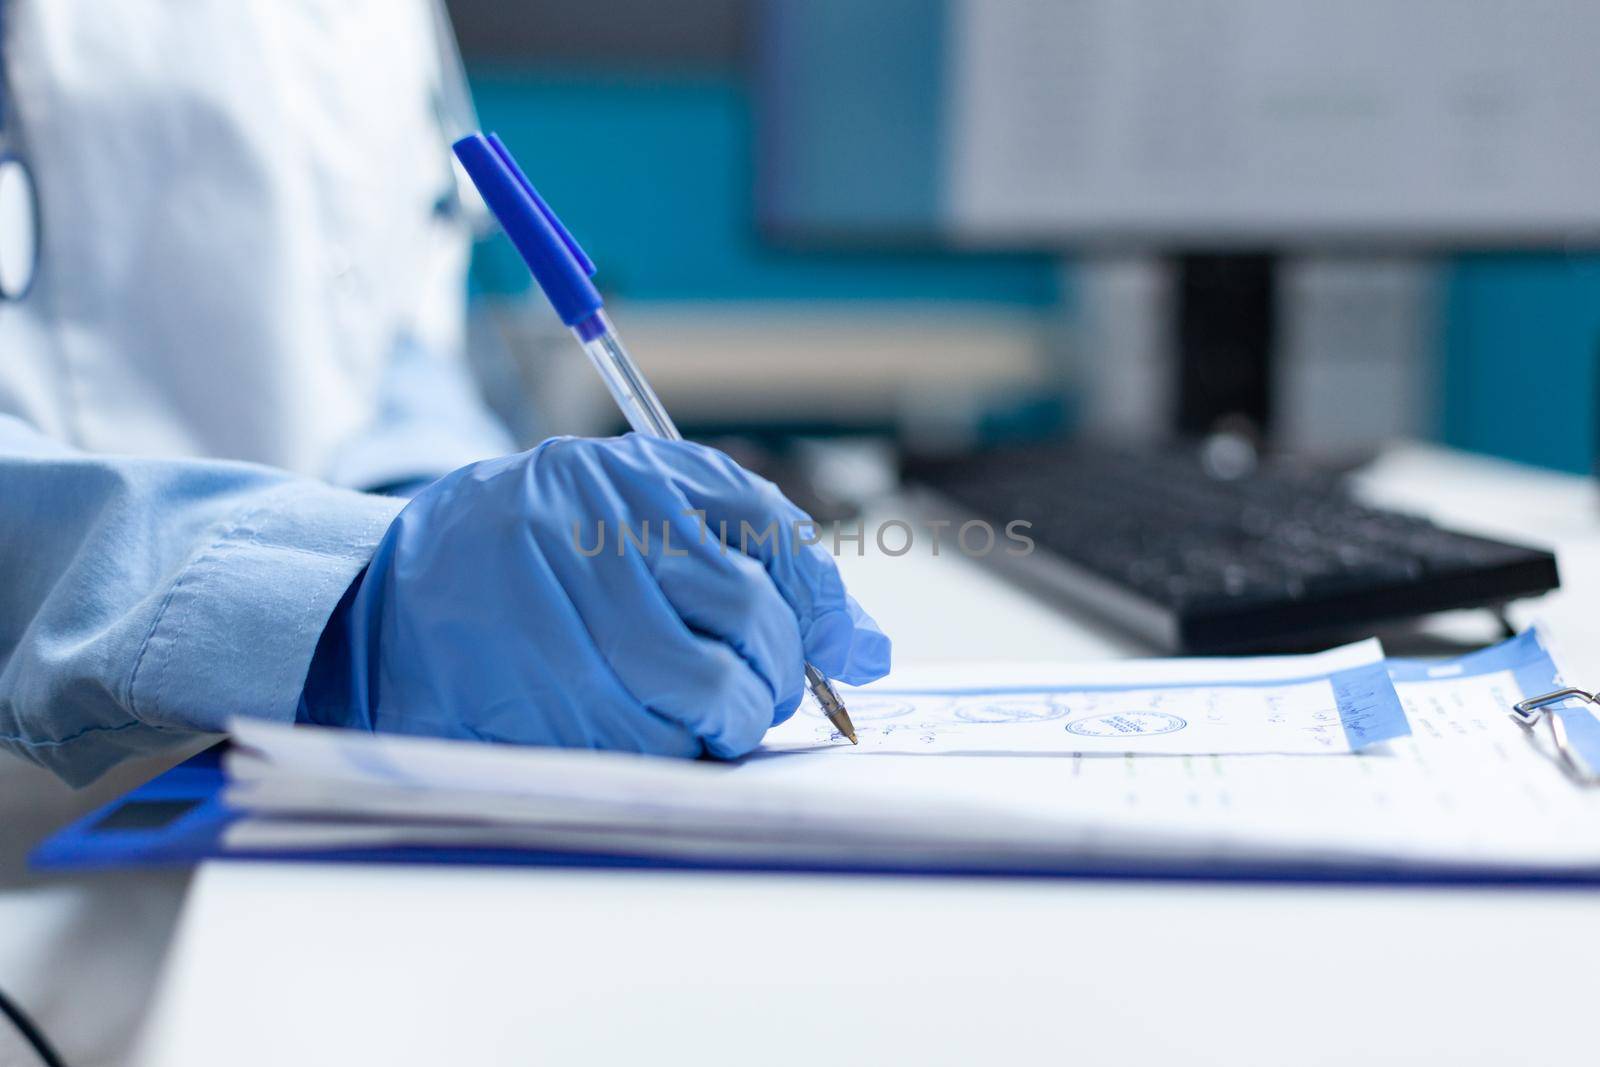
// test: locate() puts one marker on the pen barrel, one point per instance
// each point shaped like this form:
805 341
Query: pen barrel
828 700
639 403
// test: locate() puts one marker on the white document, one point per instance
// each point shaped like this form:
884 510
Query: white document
1469 788
1335 701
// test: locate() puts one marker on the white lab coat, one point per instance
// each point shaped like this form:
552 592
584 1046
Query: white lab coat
237 224
240 250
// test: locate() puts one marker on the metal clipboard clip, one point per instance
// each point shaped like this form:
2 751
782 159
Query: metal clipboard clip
1529 712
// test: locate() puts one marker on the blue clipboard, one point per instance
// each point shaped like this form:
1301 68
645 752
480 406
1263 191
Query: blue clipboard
179 819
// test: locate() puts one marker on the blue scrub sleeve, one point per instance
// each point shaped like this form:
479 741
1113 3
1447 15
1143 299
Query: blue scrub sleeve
147 600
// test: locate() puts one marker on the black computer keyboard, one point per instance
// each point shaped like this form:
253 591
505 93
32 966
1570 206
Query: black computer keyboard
1274 559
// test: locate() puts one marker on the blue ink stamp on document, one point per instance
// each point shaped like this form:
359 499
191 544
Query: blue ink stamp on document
873 710
1011 711
1127 724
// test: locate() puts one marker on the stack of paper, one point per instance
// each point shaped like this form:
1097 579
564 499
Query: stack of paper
1337 758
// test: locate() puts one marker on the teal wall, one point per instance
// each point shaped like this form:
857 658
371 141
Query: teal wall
654 176
1521 340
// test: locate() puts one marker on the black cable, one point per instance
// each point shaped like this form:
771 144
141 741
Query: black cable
30 1032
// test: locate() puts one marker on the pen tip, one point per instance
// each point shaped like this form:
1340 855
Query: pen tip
852 736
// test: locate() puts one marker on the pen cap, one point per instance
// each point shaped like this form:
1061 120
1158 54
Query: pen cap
576 249
558 264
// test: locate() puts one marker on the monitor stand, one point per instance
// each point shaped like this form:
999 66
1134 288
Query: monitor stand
1326 354
1225 322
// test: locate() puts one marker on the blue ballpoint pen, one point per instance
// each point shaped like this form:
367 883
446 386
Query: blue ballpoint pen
563 270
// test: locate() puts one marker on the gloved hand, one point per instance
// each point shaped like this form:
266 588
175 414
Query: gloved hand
488 613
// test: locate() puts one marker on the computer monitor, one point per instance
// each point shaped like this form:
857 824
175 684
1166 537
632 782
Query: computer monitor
1224 133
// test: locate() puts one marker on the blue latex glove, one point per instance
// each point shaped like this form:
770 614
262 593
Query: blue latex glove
485 614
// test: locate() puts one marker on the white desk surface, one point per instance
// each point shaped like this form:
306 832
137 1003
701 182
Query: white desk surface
339 964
